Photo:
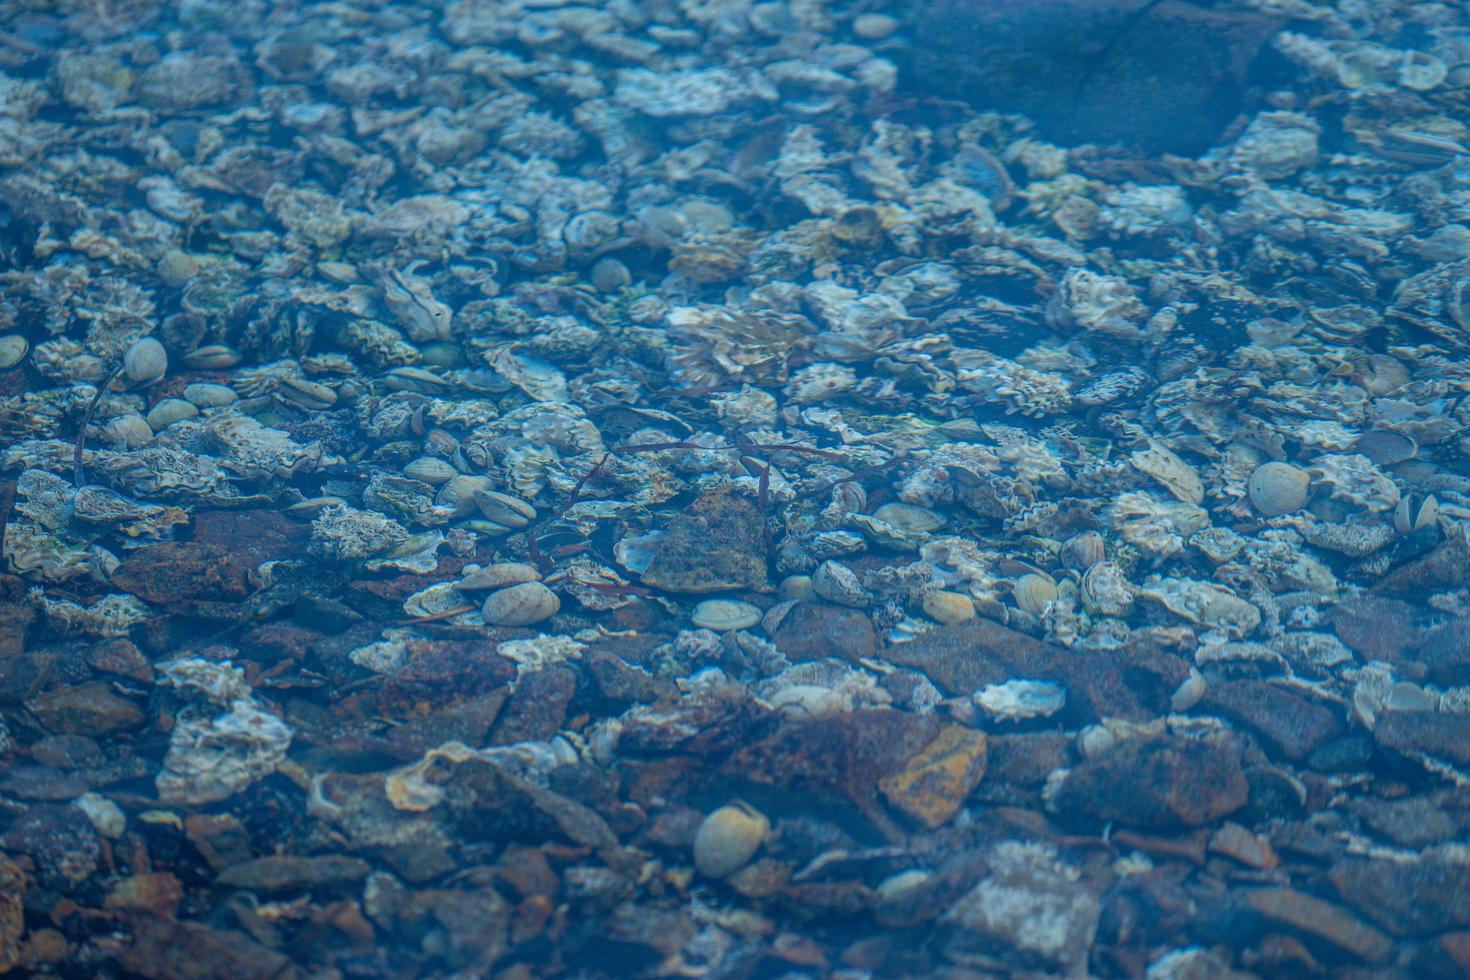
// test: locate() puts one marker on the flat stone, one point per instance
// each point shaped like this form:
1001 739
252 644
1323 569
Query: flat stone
13 884
1445 653
1234 841
1428 895
1446 567
1320 921
932 785
194 951
1287 722
965 657
1444 734
1377 627
1031 912
121 657
282 872
716 544
1417 821
86 709
1158 783
158 894
538 707
816 630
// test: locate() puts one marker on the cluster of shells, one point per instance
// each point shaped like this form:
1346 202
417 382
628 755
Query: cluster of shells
455 293
518 285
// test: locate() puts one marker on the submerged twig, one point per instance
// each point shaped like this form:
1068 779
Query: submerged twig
81 446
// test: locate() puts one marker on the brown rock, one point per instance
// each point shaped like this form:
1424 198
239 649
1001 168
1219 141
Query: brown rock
157 894
932 786
1321 921
1377 627
1287 722
1445 734
284 872
1445 652
1158 783
1236 842
192 951
538 707
1407 898
120 657
717 543
13 884
15 619
87 709
814 630
965 657
1446 567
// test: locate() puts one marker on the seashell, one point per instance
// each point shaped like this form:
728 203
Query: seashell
837 583
1413 514
13 348
908 517
209 395
430 469
520 605
503 509
1036 593
416 380
169 411
1278 488
176 267
610 275
1106 591
1019 699
796 587
948 607
861 226
212 357
498 576
1189 691
130 431
458 493
1386 447
874 27
306 394
723 615
145 362
1082 551
728 838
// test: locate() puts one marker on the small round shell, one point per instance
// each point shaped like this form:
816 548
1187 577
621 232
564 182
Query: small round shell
498 576
948 607
458 493
503 509
13 348
169 411
1036 593
520 605
728 838
145 362
723 615
1082 551
1278 488
430 469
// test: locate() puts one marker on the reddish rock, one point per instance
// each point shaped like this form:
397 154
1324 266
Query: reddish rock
1446 567
716 544
193 951
538 707
1408 898
440 673
815 630
1323 923
1445 734
1378 628
87 709
932 785
286 872
120 657
1287 722
965 657
1158 783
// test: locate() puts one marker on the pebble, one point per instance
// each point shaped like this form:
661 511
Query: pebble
520 605
874 27
724 615
948 607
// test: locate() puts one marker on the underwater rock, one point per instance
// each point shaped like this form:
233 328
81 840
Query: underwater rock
1157 783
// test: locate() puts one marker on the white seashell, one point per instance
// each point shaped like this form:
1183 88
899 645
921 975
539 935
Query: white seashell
1412 514
1190 690
430 469
948 607
209 395
1036 593
458 493
520 605
503 509
498 576
130 431
212 357
728 838
1278 488
169 411
13 348
723 615
145 362
1018 699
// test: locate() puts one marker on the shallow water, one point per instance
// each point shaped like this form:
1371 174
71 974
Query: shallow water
508 488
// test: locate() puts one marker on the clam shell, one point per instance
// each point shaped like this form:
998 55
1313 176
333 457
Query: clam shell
1082 551
13 348
169 411
209 395
131 431
145 362
1036 594
212 357
725 614
1278 488
458 493
948 607
430 469
728 838
909 517
498 576
503 509
520 605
